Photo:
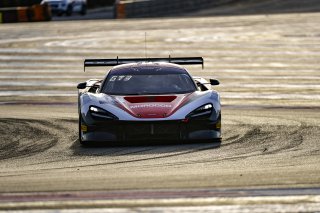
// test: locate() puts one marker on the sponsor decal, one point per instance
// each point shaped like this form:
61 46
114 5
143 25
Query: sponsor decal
218 125
84 128
151 106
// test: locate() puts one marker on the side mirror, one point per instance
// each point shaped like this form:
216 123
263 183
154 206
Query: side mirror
214 82
82 85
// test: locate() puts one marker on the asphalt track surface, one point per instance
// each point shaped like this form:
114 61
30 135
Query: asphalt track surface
269 70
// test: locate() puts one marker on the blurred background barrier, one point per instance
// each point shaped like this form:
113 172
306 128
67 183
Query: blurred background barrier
9 15
41 13
18 3
156 8
27 3
25 14
99 3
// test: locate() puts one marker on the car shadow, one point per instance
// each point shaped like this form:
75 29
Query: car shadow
141 147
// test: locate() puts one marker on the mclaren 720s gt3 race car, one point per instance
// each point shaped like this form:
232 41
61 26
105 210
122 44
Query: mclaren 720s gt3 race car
148 99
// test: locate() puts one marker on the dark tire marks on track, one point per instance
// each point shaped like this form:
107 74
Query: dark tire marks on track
23 138
255 145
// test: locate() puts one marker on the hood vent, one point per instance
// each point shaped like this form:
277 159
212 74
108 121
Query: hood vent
149 99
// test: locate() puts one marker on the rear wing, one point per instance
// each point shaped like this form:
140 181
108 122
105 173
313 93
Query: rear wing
119 61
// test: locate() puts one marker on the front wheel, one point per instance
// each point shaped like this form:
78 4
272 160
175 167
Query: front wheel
83 143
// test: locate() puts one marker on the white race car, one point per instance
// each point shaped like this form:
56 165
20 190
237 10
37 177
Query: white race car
60 7
148 99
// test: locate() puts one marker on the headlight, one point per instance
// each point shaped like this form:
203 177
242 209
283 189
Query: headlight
201 112
101 113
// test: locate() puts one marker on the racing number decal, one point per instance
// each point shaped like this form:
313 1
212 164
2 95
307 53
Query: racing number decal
120 78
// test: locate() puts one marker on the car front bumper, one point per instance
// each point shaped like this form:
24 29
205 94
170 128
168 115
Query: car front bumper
152 130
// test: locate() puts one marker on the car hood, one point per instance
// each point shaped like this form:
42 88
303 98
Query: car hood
152 106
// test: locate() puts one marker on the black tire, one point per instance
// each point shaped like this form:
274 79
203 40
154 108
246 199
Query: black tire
83 10
220 120
83 143
69 10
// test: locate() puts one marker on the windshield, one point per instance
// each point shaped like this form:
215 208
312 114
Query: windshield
148 84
